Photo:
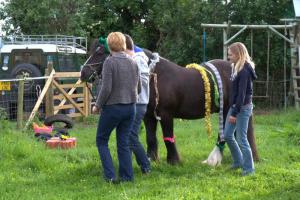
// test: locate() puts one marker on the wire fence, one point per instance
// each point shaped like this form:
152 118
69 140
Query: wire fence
10 97
272 94
9 91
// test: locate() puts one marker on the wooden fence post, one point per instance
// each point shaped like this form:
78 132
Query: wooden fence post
40 99
20 104
86 101
49 103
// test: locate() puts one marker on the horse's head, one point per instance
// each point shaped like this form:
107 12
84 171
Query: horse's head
93 66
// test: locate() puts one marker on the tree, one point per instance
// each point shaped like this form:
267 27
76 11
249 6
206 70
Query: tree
43 17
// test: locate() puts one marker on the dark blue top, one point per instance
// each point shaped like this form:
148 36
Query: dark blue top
242 88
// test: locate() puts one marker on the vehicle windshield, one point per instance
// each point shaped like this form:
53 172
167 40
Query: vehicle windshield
70 62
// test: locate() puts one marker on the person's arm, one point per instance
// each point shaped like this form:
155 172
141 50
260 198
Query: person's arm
139 86
242 88
106 84
143 67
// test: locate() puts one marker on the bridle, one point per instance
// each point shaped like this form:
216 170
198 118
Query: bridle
94 74
90 66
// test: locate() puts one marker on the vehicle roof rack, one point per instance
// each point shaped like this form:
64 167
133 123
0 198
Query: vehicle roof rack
63 41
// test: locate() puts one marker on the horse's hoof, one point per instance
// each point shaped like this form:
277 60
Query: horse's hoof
153 157
173 161
256 159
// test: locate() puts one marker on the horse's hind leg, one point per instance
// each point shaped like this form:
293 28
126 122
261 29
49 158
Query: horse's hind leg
151 125
251 139
169 139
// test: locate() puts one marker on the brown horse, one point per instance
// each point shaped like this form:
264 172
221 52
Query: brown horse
175 92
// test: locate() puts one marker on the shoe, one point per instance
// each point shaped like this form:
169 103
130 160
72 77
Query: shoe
248 173
146 171
113 181
126 180
235 167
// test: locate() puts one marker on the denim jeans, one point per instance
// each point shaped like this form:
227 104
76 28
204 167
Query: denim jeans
135 145
119 116
239 145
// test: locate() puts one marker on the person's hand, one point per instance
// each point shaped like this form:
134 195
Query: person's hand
95 110
232 120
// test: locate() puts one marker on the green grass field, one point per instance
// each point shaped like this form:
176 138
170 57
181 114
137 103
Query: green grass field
31 171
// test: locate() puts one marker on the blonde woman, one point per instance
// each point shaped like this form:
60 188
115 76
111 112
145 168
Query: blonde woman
242 77
116 101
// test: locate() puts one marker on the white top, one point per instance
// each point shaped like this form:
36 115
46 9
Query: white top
142 61
47 48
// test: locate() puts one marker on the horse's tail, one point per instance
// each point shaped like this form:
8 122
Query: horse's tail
251 139
215 157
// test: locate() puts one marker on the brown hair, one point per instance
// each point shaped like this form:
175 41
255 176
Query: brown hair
116 41
129 42
240 50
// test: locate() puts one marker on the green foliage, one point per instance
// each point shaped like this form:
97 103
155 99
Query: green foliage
43 17
170 27
4 124
31 171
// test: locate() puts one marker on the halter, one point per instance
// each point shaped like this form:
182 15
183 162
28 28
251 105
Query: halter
98 63
94 74
90 66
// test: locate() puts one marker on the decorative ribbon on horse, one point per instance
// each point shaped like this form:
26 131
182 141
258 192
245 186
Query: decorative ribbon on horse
207 91
154 61
169 139
103 41
221 97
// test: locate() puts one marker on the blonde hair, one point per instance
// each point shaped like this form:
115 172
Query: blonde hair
116 41
240 50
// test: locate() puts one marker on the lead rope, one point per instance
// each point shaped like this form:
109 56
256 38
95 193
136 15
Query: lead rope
156 96
152 68
93 97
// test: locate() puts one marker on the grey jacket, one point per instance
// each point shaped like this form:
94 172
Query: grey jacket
120 79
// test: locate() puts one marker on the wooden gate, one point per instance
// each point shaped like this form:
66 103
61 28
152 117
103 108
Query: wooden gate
72 97
57 94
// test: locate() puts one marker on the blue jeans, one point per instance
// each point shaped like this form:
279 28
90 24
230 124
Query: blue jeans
119 116
135 146
239 145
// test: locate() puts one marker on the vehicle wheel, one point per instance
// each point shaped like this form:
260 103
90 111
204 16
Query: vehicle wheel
57 119
28 70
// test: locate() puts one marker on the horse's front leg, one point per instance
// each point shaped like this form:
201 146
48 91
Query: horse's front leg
169 139
151 125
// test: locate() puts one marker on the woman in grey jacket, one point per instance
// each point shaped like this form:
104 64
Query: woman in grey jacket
116 101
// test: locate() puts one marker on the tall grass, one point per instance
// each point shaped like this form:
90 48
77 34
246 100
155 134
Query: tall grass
31 171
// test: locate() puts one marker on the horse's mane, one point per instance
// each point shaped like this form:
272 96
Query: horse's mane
148 53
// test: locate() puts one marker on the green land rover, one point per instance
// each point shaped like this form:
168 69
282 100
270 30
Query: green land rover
28 55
